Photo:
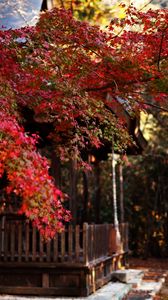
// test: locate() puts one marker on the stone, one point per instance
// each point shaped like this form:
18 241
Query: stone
128 276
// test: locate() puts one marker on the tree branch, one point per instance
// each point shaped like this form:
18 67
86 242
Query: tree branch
99 88
152 105
145 5
160 48
113 83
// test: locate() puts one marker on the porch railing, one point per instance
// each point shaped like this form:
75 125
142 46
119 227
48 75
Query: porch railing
21 242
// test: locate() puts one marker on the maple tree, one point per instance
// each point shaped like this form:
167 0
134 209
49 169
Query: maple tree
69 76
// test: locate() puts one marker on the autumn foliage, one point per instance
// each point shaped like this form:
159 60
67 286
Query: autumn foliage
69 75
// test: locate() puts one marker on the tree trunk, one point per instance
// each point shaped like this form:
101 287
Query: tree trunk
114 190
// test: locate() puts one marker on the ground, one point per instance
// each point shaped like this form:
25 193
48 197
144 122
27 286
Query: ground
153 264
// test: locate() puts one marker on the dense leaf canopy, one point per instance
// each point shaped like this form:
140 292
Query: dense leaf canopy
70 76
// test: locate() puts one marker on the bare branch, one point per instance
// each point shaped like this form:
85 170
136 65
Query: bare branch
145 5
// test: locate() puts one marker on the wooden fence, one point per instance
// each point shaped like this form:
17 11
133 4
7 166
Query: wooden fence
21 242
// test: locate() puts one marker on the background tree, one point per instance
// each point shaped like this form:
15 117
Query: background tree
146 189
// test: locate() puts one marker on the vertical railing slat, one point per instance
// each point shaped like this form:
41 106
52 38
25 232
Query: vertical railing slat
19 241
63 246
70 243
101 247
41 248
127 236
13 235
3 222
99 230
27 240
95 246
89 238
34 241
6 236
85 243
55 246
49 251
77 242
106 234
1 239
92 240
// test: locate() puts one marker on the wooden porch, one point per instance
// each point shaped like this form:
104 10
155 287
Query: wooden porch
75 263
